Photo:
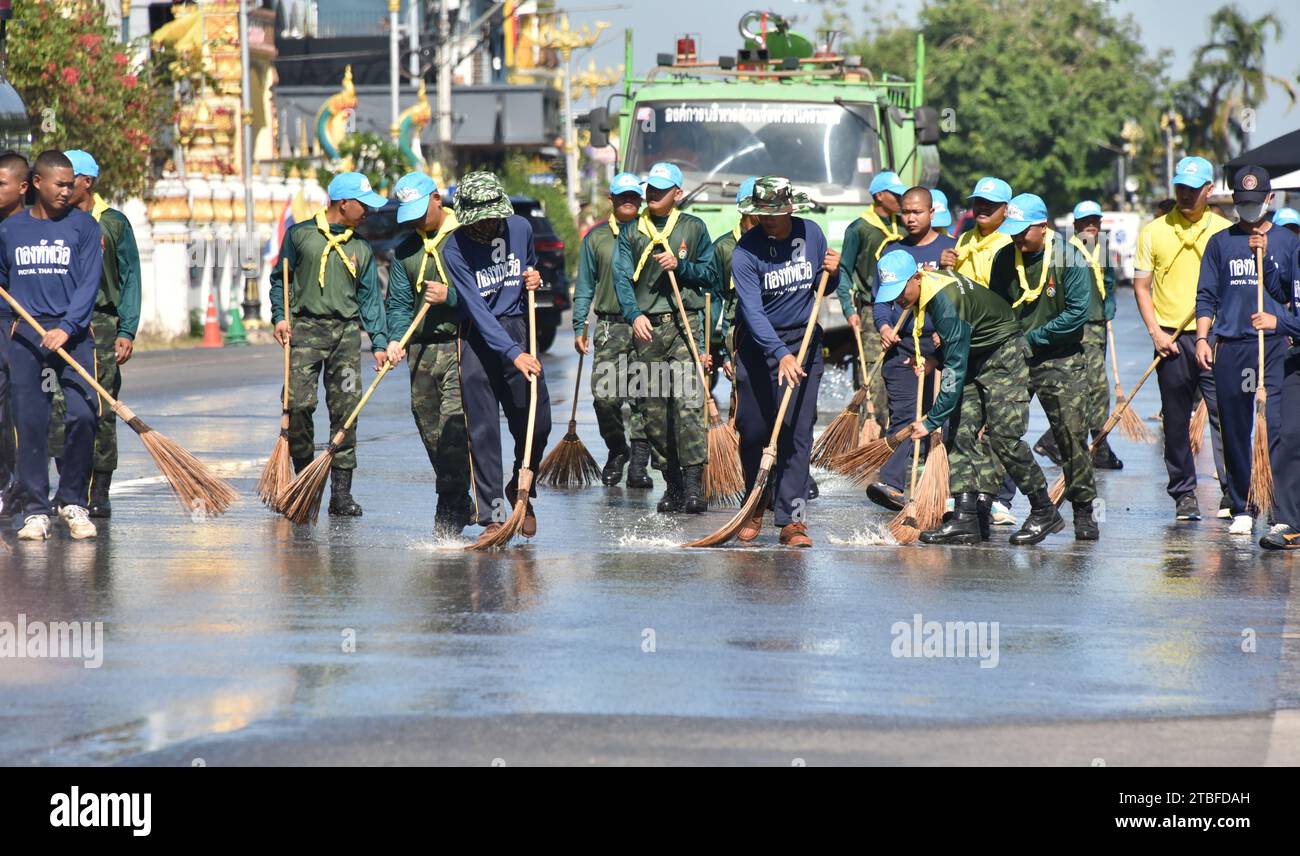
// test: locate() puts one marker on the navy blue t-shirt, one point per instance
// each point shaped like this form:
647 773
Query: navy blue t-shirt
775 280
52 267
489 279
1227 288
927 258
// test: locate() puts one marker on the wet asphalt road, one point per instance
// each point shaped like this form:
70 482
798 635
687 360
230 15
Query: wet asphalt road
224 640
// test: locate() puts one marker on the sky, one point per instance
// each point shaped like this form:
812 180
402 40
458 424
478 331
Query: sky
716 22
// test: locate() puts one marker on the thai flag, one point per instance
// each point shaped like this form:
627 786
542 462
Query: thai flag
277 239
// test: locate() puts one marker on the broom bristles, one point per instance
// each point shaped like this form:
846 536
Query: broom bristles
905 527
870 430
743 516
277 473
724 477
200 491
1200 419
1130 424
569 464
861 463
1260 494
1057 491
508 530
932 491
300 501
839 437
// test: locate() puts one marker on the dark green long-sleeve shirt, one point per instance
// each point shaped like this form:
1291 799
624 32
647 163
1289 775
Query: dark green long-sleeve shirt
344 297
652 292
861 250
971 321
724 294
594 290
119 288
406 291
1102 308
1053 323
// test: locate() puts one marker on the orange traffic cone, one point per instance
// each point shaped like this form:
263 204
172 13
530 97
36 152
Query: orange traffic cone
211 329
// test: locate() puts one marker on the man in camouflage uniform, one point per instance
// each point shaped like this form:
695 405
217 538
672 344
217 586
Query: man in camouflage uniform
1048 284
332 284
418 274
666 240
724 293
612 337
983 395
865 241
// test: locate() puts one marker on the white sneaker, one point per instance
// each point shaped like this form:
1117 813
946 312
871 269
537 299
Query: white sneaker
35 528
1001 515
78 520
1242 524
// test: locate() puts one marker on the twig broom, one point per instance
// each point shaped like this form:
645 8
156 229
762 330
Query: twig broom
200 492
279 469
570 464
1130 424
847 430
1260 494
930 496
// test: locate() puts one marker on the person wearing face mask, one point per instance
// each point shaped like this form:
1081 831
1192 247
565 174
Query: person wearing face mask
865 240
1168 267
1049 288
666 240
1226 302
611 337
332 283
492 263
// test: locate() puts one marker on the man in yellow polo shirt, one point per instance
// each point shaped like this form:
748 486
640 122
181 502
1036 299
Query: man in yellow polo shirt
1168 267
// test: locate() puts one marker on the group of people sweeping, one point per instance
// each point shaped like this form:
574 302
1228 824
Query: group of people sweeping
954 337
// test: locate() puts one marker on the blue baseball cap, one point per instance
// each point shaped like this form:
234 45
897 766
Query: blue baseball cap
1087 208
1286 217
1193 172
887 181
664 175
1023 211
626 182
992 189
893 271
746 189
82 163
354 185
942 217
412 192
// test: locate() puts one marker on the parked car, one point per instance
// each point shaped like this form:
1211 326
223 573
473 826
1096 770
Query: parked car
384 233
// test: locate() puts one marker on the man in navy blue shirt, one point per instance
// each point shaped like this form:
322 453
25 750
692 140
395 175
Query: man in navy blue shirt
925 245
1226 300
775 268
50 263
491 261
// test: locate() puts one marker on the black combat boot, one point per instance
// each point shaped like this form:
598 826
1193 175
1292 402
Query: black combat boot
1046 446
1085 522
960 527
693 482
300 464
99 485
636 471
1043 520
813 490
341 502
1103 457
612 474
453 514
984 508
674 491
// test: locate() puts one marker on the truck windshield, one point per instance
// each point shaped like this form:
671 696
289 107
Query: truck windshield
818 146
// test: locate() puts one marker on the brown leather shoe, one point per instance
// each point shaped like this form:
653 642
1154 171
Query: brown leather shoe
529 529
795 535
490 529
750 530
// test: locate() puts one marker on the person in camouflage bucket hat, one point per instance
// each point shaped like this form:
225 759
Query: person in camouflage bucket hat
481 196
774 195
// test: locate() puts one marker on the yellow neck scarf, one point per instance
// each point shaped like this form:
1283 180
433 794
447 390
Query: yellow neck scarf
968 244
431 245
1027 294
613 225
100 207
735 233
932 282
332 242
646 227
1094 259
891 229
1189 237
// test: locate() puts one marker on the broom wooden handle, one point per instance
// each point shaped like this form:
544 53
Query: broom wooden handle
1114 358
119 408
525 471
708 321
920 405
690 336
1260 392
770 451
374 384
577 389
287 345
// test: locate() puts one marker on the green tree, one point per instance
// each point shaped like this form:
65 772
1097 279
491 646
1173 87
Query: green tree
83 90
1227 83
378 158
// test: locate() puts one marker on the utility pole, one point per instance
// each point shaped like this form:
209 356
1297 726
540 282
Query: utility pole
443 96
247 247
394 59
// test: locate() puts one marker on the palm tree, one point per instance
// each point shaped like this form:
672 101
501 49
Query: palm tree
1228 78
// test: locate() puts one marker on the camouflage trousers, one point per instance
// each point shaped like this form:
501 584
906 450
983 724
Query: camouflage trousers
871 347
664 378
104 328
435 404
611 372
1097 387
1066 402
995 400
331 347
